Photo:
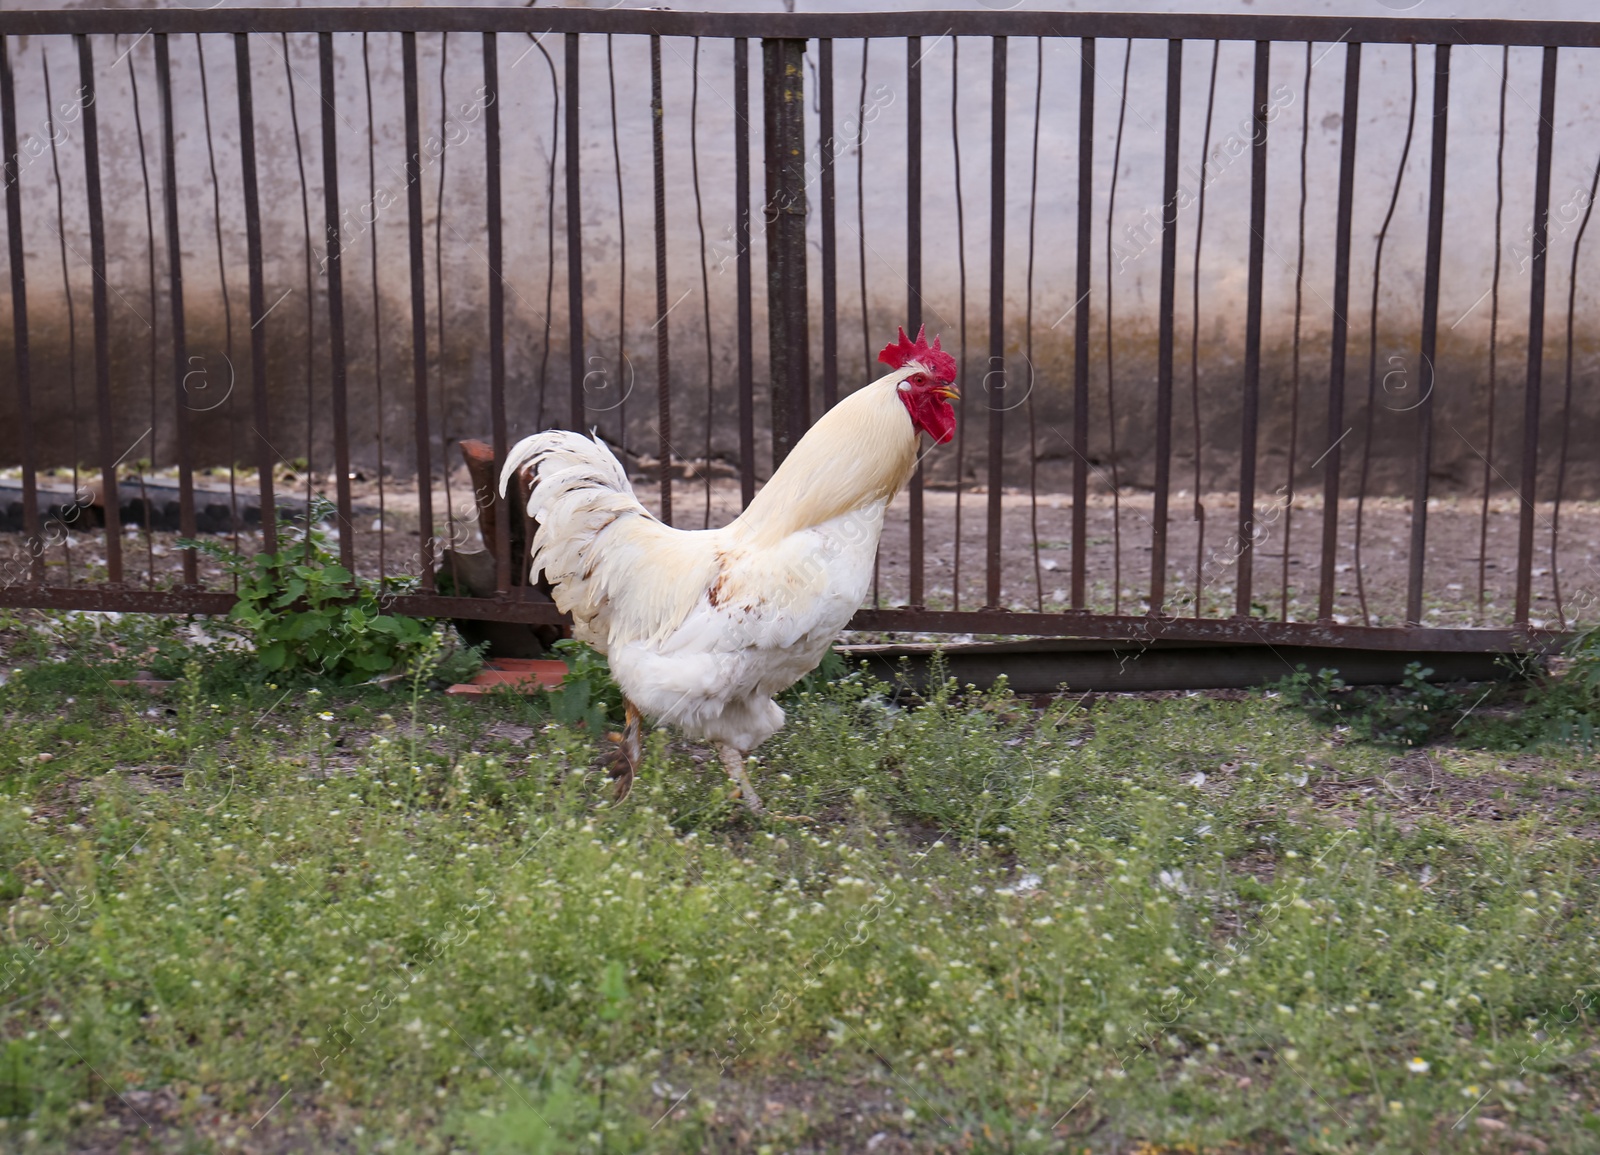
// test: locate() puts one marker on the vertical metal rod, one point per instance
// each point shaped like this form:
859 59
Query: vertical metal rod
1169 268
1492 405
783 110
258 294
1291 471
1033 425
918 561
549 242
147 511
234 512
961 314
1531 406
1430 334
419 313
830 255
576 369
335 272
439 203
377 314
1080 339
67 296
310 340
705 275
1111 373
741 206
622 257
19 315
1372 342
663 351
1566 405
1333 455
102 318
995 392
494 226
1197 497
1252 341
180 346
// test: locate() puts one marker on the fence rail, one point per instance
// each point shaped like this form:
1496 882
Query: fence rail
377 401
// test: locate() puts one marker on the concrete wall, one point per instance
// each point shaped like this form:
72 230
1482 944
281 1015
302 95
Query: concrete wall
453 194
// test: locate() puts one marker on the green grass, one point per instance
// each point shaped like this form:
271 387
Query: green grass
239 915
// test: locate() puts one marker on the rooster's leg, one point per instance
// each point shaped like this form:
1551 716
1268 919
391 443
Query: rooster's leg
630 752
733 760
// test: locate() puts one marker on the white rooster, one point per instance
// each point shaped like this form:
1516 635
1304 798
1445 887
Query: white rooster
703 627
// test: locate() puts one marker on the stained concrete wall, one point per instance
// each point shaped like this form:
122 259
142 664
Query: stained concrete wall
622 390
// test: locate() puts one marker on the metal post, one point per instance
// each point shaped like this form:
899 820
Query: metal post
783 100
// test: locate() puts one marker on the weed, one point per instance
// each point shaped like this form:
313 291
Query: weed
1406 715
307 614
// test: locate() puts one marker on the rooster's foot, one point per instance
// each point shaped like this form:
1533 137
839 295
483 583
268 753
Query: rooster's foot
733 762
630 752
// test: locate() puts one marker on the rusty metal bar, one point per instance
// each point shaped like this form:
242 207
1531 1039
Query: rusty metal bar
419 314
961 313
1531 397
180 346
19 315
494 226
439 204
1333 456
258 294
918 560
310 341
1197 502
1024 21
146 510
1136 629
783 93
1033 427
1111 375
827 153
575 359
663 352
1244 580
1430 334
622 250
741 214
377 314
1169 269
705 275
996 397
1080 338
222 285
102 317
1372 341
1566 405
1291 470
335 271
1494 334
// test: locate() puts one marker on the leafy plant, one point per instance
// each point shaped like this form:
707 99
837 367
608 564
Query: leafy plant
1405 715
306 613
587 695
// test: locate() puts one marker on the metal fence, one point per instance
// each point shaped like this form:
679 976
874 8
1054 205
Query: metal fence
386 380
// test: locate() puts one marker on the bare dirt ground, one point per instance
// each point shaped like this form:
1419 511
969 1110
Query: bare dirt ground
1036 554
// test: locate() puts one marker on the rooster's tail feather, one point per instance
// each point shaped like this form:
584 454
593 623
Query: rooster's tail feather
595 542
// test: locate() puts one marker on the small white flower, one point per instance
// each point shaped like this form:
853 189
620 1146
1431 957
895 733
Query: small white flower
1417 1066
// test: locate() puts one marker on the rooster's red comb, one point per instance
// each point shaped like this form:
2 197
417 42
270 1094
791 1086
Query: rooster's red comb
898 354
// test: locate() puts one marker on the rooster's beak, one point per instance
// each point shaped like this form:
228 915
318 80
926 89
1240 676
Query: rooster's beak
948 391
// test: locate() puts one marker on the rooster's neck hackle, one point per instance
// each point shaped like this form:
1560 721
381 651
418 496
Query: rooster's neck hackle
858 454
